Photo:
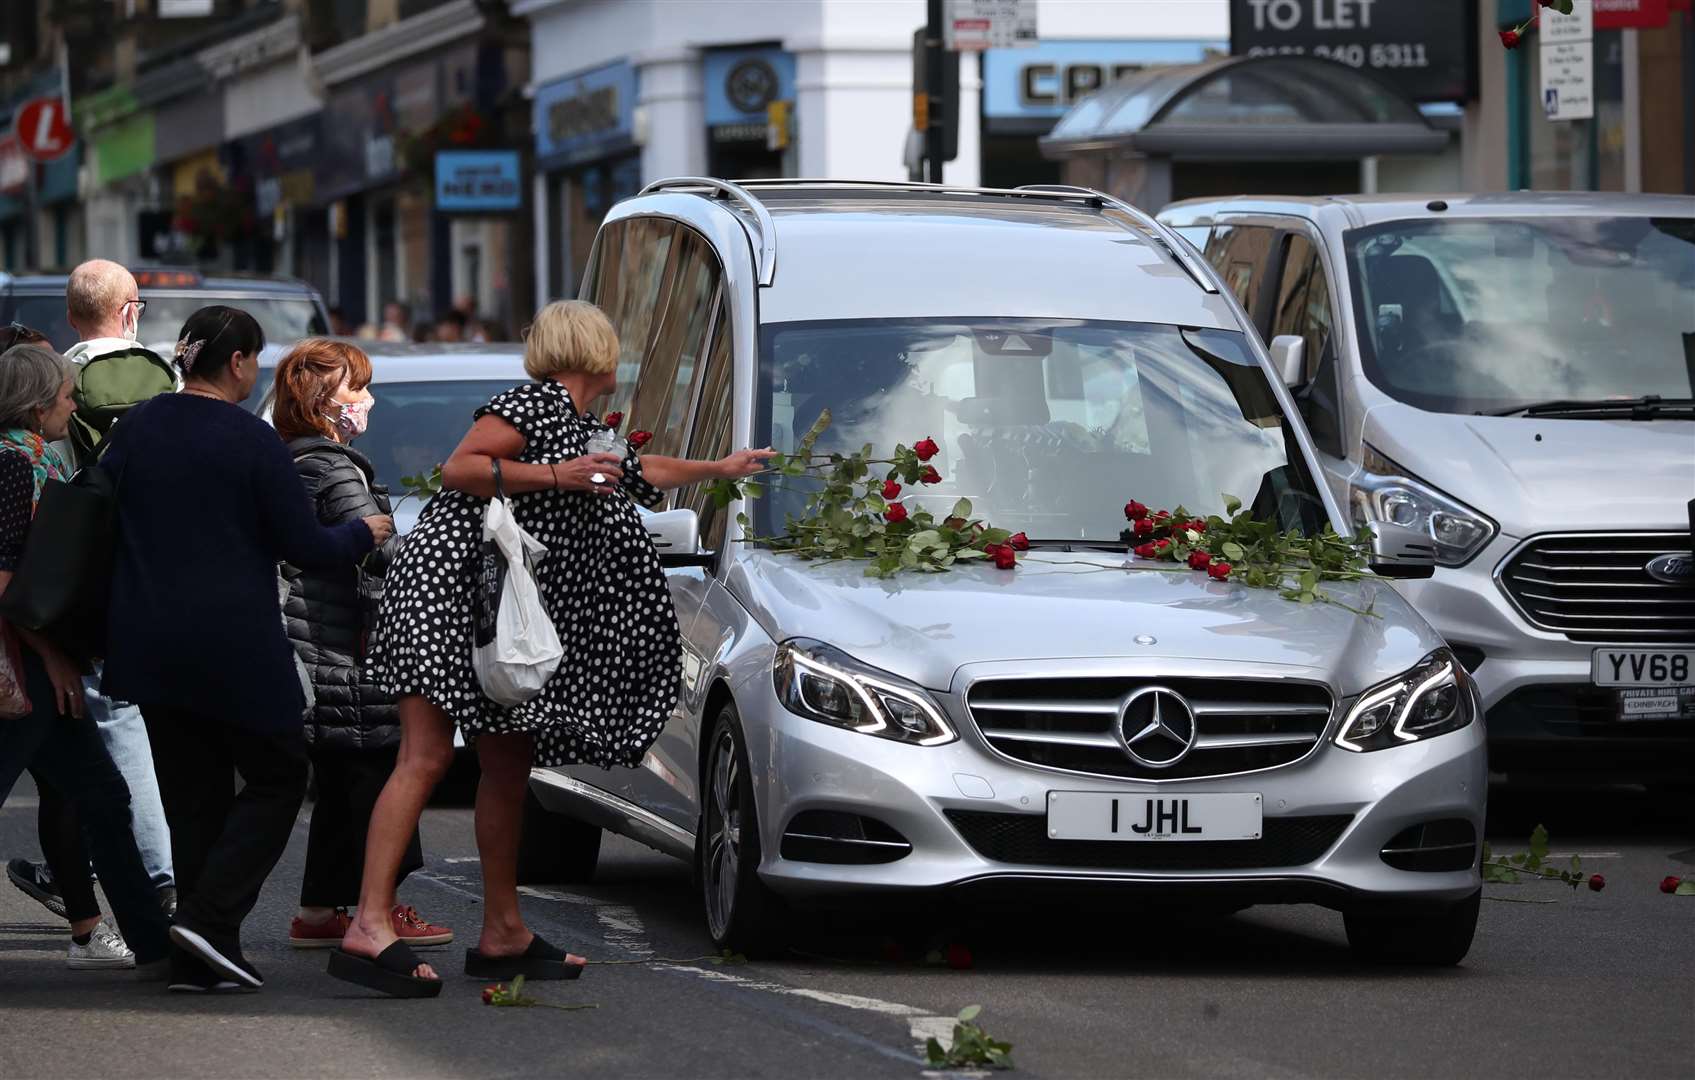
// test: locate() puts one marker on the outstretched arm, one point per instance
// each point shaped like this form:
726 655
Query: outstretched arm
668 473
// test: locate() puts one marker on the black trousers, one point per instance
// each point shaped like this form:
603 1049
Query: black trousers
349 782
60 836
69 757
224 843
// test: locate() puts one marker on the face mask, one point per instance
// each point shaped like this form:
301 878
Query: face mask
132 322
351 419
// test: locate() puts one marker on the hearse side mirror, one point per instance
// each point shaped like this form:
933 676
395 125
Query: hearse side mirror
1289 358
676 536
1401 552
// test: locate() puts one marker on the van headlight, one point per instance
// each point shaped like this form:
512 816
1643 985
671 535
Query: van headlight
823 683
1386 493
1433 698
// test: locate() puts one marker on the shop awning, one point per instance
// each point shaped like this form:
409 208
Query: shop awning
1259 108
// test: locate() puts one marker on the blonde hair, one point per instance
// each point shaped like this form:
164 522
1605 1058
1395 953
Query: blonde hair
570 335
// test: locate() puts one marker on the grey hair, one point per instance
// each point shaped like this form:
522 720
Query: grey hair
31 378
96 290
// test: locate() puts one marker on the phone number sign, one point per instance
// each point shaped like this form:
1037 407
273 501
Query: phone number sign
1426 49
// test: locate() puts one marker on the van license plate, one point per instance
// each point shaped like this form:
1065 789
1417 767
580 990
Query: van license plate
1643 667
1095 815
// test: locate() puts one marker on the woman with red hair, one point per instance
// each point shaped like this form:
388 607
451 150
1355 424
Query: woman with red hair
320 403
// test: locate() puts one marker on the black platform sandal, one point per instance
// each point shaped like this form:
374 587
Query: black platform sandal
390 973
541 961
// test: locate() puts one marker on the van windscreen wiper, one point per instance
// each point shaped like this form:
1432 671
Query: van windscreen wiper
1646 407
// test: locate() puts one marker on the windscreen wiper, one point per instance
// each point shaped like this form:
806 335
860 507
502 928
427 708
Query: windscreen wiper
1646 407
1078 545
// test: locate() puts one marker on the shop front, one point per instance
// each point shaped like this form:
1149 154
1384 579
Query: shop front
1027 90
749 98
40 221
588 158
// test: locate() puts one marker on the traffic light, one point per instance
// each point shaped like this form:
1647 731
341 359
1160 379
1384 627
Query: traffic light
949 96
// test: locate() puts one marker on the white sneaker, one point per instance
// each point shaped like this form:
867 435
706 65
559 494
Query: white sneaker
105 949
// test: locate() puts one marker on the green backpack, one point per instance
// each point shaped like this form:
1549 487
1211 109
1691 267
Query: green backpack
108 386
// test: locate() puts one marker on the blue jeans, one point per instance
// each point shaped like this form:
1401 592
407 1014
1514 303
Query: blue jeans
125 735
69 755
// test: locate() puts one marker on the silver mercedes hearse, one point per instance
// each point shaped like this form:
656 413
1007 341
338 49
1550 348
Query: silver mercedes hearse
1068 724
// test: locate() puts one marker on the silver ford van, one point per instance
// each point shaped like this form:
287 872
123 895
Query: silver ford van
1514 375
1064 725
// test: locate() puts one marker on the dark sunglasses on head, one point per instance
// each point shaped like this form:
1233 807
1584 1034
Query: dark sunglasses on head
19 334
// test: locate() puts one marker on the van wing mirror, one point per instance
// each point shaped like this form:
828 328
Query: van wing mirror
1289 357
1401 552
676 536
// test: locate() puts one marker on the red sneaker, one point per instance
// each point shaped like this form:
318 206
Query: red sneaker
413 929
324 935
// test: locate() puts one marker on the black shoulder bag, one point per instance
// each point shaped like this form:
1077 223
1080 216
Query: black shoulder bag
63 585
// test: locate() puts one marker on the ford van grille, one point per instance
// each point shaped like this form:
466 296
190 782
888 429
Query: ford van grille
1605 588
1079 724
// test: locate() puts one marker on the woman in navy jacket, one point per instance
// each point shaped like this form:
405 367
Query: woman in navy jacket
208 503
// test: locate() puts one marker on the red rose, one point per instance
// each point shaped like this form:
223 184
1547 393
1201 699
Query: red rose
613 419
1510 39
959 957
488 994
896 514
639 439
891 491
1199 560
1162 545
1135 511
1198 525
1669 883
1597 882
1018 542
926 449
1145 551
1005 557
1219 571
931 476
1144 527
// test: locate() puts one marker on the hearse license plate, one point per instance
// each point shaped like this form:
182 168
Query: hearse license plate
1643 667
1095 815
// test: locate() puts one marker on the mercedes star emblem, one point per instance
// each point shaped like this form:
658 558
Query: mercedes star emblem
1157 727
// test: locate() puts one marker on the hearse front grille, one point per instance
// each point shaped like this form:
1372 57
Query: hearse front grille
1074 724
1023 839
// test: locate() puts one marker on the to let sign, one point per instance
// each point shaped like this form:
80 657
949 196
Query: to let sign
43 129
1422 47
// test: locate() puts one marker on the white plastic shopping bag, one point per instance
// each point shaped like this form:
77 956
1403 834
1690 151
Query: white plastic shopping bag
515 646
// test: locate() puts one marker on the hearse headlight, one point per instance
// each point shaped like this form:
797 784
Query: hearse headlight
1432 699
823 683
1386 493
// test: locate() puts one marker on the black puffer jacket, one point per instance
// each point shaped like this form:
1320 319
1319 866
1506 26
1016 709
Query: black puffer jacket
323 611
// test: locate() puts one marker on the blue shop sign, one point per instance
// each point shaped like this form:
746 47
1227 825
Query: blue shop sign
1043 81
742 83
586 116
478 180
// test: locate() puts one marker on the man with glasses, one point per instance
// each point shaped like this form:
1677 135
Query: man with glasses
114 375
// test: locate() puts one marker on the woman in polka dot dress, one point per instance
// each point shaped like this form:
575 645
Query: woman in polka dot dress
602 585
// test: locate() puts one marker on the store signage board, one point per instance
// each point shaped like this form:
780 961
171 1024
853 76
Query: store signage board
1424 48
1048 78
184 9
975 25
586 116
1631 14
478 181
1568 62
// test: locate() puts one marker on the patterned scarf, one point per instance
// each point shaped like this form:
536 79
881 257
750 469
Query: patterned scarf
45 460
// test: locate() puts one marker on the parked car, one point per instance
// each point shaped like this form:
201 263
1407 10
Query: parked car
840 738
1513 375
287 310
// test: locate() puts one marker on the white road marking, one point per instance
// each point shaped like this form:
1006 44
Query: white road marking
623 928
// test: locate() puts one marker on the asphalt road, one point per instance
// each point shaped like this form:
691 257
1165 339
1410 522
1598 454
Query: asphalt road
1592 984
